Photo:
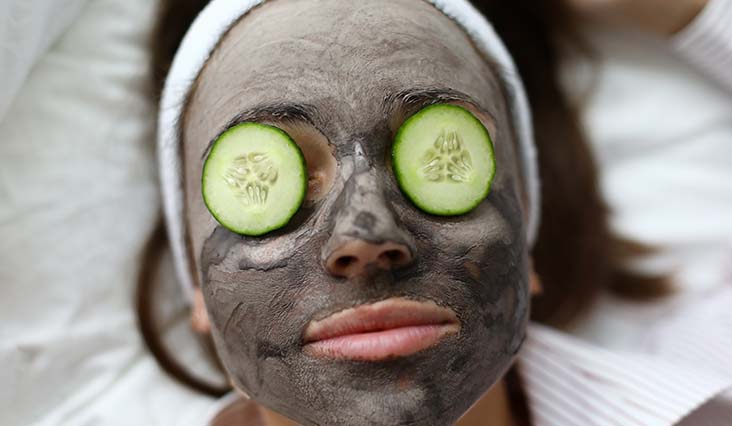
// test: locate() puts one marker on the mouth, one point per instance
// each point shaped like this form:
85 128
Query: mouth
383 330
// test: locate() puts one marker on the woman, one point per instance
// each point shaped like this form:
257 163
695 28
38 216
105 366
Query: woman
358 251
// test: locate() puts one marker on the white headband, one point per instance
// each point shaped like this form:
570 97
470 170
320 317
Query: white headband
201 39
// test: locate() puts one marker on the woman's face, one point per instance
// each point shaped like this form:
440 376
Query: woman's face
340 77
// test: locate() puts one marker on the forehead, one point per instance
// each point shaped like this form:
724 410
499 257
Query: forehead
344 57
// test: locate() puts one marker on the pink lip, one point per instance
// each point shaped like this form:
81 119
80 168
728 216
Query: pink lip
387 329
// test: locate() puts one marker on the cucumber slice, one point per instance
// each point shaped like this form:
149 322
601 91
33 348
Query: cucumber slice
443 160
254 179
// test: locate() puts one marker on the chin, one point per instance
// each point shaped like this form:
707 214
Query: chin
435 386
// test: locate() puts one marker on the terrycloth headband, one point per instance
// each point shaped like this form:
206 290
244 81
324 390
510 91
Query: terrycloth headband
200 41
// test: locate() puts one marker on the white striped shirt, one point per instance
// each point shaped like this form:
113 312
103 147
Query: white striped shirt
570 382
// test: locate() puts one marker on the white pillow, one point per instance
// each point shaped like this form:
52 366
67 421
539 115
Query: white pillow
27 29
78 199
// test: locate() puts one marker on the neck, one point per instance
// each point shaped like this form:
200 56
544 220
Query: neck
271 418
493 405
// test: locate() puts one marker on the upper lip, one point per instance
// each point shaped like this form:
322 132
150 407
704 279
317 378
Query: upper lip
383 315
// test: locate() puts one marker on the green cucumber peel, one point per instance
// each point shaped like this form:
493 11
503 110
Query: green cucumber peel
443 160
254 179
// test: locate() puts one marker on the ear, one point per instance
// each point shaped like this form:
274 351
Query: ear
535 287
199 316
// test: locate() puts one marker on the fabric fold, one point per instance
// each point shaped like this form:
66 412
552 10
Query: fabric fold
570 382
707 42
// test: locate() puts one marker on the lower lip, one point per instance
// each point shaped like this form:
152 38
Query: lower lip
381 345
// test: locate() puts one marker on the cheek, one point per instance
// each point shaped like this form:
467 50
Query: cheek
485 252
252 301
245 309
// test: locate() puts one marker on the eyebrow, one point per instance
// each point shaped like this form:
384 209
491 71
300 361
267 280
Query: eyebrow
408 100
419 97
279 111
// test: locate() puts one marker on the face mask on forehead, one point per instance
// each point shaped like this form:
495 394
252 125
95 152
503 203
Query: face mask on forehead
323 133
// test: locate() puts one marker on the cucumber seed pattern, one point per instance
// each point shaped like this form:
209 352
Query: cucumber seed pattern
250 176
447 159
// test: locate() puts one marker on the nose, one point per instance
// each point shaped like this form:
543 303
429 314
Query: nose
365 236
354 258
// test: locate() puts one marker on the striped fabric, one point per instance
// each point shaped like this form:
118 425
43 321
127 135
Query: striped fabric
701 334
715 413
707 42
572 383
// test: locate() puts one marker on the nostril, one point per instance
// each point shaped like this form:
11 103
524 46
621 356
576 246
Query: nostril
345 261
357 257
394 257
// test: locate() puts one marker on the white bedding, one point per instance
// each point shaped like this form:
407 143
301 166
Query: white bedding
27 29
78 198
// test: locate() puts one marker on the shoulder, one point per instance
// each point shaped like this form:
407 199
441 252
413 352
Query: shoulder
707 41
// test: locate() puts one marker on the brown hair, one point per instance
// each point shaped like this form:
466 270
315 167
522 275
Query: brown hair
577 256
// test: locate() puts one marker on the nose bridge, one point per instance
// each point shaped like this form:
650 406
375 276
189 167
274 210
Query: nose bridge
365 214
365 230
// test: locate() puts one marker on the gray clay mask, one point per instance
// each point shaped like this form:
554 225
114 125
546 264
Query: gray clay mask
341 77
